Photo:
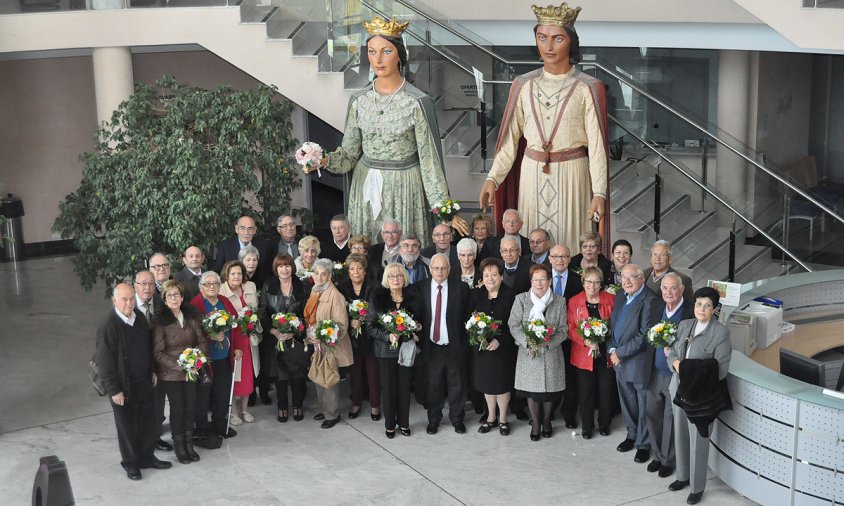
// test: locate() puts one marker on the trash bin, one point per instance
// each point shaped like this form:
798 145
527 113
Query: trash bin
11 208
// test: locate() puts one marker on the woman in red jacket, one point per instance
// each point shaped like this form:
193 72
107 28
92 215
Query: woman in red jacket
595 376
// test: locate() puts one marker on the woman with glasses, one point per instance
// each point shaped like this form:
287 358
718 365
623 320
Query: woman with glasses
593 369
223 349
178 326
700 338
391 294
540 371
359 245
467 252
590 256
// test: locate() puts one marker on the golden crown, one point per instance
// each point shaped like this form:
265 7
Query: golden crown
557 16
391 28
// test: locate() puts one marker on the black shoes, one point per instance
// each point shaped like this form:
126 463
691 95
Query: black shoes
432 428
319 416
654 466
459 428
156 464
694 498
642 456
571 424
548 432
626 445
327 424
587 434
282 416
504 429
604 431
390 433
375 416
487 426
133 473
230 434
297 414
405 432
251 401
164 446
678 485
534 436
354 414
265 398
666 471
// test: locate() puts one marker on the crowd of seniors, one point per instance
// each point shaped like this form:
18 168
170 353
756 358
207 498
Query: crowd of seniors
514 280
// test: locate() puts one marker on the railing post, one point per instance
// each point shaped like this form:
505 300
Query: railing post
482 122
657 207
731 269
703 176
786 222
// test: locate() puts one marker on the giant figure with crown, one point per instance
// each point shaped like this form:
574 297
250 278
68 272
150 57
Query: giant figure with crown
551 155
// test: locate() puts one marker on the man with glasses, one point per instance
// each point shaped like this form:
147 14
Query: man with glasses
441 237
631 356
384 252
568 284
539 242
159 265
409 257
516 270
192 259
661 265
288 242
228 249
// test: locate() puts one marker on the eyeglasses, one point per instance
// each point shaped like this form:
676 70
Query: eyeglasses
630 278
210 284
173 296
286 225
537 241
660 255
358 248
511 250
439 268
539 280
145 284
591 282
395 276
391 232
158 267
559 257
589 246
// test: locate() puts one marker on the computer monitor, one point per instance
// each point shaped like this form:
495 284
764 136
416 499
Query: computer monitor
803 368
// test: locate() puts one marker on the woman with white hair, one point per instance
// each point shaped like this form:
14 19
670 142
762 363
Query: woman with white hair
467 252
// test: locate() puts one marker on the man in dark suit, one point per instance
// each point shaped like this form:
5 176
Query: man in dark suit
511 223
229 249
148 302
539 242
660 418
443 307
441 237
661 265
568 284
288 242
384 252
632 357
124 357
159 265
336 247
409 257
516 270
192 260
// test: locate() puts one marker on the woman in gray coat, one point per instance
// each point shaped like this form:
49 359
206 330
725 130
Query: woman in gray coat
700 338
540 373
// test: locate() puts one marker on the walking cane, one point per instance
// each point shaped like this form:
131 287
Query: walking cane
235 374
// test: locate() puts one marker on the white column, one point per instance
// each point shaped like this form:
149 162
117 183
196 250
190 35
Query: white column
731 174
113 79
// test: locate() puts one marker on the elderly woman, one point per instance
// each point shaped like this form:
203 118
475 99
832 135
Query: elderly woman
308 255
223 349
364 371
177 327
250 257
327 303
467 252
698 339
242 296
359 245
590 256
494 367
481 227
540 371
392 294
285 293
595 376
622 253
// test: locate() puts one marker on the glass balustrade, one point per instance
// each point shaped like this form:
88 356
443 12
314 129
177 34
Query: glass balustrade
38 6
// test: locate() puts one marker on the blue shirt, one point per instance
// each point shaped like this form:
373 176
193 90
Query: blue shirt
218 350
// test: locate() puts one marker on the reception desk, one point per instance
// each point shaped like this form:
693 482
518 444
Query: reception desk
783 442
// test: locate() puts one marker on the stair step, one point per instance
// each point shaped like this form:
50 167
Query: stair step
309 39
282 28
256 13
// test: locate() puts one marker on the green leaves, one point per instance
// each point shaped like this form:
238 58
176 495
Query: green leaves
176 166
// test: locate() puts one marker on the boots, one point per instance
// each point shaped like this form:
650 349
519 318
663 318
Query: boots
179 447
192 455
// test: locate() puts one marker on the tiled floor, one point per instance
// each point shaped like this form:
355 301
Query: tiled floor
49 409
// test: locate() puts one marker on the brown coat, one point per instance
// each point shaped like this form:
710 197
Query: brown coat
170 340
332 306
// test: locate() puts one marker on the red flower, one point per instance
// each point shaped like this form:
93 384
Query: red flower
494 326
331 345
401 327
282 320
436 210
301 326
362 312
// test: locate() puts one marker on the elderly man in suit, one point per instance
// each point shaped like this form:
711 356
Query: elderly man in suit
566 283
516 269
229 249
409 257
192 259
288 242
660 420
443 308
159 265
124 356
384 252
511 223
631 356
661 265
441 237
336 247
539 242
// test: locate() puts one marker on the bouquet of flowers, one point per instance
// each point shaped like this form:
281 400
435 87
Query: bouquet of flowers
662 335
400 323
217 322
538 335
248 321
445 210
481 329
310 156
328 332
191 361
339 273
357 311
595 330
287 323
612 289
305 275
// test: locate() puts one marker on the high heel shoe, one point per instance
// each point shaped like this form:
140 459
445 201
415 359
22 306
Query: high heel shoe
404 432
282 416
298 415
375 416
534 436
390 433
354 414
547 432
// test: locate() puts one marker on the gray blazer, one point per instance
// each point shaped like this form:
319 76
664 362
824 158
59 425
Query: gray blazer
547 372
629 342
713 342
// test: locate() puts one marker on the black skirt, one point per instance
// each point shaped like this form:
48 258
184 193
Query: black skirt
541 396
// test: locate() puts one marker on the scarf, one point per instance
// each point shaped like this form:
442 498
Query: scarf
313 302
539 305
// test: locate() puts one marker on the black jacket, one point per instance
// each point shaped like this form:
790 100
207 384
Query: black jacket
272 302
700 393
111 352
380 302
361 343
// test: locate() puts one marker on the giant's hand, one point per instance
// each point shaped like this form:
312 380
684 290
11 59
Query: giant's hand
461 225
487 197
596 208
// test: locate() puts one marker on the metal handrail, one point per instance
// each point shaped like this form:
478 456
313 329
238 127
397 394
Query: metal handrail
732 209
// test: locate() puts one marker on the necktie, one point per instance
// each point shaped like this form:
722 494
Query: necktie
146 312
510 270
558 285
438 313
